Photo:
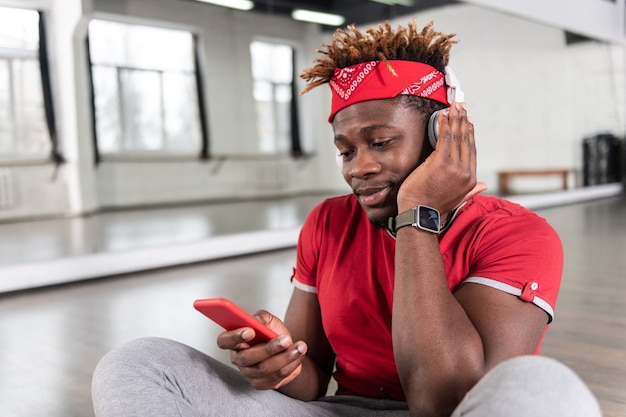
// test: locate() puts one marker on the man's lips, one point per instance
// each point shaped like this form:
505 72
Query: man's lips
374 196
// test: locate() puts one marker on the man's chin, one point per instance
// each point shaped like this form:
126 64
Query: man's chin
380 218
379 223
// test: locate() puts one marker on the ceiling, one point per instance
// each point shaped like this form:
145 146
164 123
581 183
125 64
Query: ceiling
358 12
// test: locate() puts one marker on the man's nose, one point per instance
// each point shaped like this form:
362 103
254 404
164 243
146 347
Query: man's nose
363 164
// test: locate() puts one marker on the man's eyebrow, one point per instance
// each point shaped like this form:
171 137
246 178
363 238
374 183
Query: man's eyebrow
366 129
378 126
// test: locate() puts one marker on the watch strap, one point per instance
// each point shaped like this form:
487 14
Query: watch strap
421 217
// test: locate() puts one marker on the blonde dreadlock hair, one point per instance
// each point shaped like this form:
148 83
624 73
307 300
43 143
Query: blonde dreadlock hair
350 46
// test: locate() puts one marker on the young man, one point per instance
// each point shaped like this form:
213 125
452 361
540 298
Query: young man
420 296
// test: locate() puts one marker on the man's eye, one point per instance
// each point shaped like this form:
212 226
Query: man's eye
346 154
381 143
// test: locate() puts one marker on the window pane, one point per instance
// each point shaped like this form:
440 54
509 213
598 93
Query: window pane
107 43
22 120
19 29
263 91
283 93
141 96
282 71
33 136
140 46
261 64
273 76
145 88
108 119
23 129
265 116
182 126
283 118
6 109
272 62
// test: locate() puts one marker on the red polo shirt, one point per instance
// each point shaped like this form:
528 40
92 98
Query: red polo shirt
350 265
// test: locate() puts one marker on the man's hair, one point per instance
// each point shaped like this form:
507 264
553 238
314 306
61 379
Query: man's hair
350 46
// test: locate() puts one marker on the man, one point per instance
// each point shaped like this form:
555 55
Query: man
417 294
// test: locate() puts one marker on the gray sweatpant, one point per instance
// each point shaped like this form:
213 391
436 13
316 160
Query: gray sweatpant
159 377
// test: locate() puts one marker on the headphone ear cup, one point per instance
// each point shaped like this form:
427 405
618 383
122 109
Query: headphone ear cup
433 129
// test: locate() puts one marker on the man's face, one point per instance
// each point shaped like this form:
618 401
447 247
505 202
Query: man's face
380 143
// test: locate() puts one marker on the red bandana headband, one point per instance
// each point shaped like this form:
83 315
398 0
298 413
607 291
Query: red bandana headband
374 80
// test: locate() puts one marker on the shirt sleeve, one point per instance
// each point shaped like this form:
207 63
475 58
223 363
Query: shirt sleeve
307 251
521 255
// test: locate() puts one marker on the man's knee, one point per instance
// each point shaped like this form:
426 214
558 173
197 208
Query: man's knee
530 386
138 358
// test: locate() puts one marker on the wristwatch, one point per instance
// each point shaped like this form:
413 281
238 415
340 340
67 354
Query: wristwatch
421 217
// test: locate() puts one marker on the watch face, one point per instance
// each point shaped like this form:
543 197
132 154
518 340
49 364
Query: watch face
428 218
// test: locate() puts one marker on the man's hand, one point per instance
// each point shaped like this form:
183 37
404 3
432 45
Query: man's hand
267 365
448 176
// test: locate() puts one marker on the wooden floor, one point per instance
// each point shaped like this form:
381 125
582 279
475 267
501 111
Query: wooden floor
51 339
589 332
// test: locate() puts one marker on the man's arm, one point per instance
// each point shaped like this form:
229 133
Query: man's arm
305 323
444 343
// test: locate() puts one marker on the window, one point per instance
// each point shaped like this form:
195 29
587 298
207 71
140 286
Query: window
273 87
145 89
23 129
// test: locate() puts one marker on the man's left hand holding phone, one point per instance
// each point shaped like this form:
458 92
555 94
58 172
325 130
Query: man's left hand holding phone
260 346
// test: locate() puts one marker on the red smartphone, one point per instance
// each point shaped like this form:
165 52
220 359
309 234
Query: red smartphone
230 316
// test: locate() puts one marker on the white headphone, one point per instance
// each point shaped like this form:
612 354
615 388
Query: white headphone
455 94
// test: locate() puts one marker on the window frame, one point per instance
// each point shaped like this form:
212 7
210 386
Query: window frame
164 154
294 145
40 55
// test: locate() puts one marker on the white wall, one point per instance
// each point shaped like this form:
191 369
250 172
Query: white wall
533 100
603 20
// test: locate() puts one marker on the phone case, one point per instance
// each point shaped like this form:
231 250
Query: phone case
230 316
